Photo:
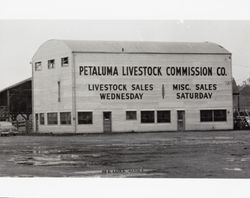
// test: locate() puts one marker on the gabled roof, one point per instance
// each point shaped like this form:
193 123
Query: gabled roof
144 47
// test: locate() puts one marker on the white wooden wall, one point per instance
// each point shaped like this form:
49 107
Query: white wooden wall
45 87
90 101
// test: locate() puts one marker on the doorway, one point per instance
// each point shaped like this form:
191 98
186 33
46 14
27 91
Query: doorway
107 122
181 120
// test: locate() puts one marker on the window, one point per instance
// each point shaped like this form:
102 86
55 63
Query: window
65 118
41 118
147 116
213 115
85 118
51 64
131 115
37 117
38 66
163 116
64 62
220 115
52 118
206 115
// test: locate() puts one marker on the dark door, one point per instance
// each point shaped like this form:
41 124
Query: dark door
37 122
180 120
107 122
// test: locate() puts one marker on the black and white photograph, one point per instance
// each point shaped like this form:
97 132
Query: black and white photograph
126 108
127 99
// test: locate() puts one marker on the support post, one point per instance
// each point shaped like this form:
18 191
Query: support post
8 103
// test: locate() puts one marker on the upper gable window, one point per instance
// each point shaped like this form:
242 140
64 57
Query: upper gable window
65 61
38 66
51 64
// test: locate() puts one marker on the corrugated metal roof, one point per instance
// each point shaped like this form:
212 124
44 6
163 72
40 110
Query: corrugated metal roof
145 47
16 84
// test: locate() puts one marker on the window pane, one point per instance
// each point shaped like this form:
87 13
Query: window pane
163 116
220 115
147 116
52 118
206 115
38 66
51 64
65 118
42 118
130 115
85 118
64 61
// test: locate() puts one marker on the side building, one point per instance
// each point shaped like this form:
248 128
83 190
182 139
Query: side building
112 86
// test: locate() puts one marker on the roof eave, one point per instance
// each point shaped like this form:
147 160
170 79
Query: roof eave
16 84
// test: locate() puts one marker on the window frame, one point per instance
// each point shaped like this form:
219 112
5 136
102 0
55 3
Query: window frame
214 118
70 120
162 122
51 65
63 60
48 118
150 122
40 66
40 119
131 111
87 112
206 119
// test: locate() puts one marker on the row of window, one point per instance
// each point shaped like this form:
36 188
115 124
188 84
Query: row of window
213 115
52 118
51 63
87 117
65 118
218 115
162 116
149 116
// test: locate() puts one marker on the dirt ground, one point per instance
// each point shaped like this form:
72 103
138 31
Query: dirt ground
218 154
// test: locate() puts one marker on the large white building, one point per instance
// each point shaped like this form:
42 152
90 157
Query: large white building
111 86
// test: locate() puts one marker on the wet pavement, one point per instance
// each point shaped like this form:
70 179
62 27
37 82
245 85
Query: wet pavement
169 155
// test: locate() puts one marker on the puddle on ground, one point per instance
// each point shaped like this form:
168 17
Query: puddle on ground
246 159
196 142
224 138
57 160
133 144
210 138
230 159
233 159
233 169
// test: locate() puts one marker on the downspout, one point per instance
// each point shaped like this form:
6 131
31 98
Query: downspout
32 101
74 92
232 111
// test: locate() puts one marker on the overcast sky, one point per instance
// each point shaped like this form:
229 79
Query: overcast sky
19 39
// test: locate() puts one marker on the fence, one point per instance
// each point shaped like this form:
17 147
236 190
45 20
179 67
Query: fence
4 113
23 126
